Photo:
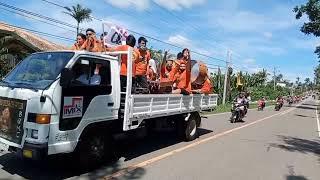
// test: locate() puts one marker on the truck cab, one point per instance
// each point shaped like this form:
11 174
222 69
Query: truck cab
48 99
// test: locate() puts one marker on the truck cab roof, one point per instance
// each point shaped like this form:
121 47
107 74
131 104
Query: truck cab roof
77 53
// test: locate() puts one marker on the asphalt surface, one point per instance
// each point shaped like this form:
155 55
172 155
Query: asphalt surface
269 145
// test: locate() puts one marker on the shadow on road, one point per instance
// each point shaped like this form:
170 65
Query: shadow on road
158 140
57 167
293 177
306 104
65 166
300 145
300 115
306 107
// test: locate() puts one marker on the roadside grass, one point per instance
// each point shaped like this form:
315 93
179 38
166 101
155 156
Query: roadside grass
227 107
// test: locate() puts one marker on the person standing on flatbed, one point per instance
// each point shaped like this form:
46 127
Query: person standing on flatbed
183 74
130 42
142 64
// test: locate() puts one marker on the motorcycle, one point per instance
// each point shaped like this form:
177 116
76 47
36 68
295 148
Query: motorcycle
277 106
261 105
237 113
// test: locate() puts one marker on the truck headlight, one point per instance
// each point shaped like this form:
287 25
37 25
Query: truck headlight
43 118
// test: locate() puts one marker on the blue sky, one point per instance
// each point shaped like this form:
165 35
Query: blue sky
261 34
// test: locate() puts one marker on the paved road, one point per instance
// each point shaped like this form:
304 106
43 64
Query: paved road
269 145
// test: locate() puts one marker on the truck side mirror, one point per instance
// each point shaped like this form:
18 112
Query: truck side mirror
66 77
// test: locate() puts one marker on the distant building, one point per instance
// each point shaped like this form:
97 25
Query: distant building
16 43
282 84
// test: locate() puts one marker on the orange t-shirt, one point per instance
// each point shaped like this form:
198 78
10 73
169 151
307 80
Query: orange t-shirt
181 80
142 64
206 87
93 46
123 68
166 75
187 73
75 47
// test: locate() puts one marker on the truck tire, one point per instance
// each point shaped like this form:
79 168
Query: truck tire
188 130
94 149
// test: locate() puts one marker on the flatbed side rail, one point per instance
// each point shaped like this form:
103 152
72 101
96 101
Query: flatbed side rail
146 106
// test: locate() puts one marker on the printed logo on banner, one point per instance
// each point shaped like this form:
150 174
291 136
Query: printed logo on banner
72 107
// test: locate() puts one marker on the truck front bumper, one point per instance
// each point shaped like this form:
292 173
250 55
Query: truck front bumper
33 151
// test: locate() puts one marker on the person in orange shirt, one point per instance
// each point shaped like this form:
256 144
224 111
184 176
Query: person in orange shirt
180 86
167 72
92 44
130 42
186 60
204 88
142 63
81 38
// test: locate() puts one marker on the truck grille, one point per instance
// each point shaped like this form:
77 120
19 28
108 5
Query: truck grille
12 114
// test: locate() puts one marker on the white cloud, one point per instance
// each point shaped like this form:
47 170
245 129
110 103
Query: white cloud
249 61
267 35
138 4
179 4
145 4
179 40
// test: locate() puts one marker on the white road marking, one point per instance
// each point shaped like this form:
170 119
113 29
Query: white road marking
318 123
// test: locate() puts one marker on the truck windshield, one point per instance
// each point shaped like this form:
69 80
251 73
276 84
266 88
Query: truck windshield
38 70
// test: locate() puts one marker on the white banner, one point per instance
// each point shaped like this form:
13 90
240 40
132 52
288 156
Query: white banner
116 35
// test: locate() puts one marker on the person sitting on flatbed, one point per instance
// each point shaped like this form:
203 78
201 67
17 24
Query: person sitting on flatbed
180 86
92 44
204 88
81 38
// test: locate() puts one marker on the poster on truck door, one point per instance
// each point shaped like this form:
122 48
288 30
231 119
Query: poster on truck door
12 113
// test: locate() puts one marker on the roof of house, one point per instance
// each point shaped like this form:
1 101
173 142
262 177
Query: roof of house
29 39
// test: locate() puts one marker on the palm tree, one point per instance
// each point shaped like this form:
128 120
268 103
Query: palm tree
79 13
307 81
298 81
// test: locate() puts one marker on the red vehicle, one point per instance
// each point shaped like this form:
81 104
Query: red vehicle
261 104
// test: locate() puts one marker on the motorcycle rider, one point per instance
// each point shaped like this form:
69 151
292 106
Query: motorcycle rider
240 99
279 99
262 102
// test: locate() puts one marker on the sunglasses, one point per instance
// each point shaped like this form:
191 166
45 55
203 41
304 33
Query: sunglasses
89 34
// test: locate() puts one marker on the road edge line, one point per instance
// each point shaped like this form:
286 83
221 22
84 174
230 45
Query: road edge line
318 122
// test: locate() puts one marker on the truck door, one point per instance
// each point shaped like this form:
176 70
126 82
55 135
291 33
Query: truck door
89 96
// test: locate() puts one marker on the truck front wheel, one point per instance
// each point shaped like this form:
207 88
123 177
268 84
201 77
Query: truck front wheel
93 150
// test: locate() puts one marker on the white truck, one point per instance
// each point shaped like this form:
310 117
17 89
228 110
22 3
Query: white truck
46 108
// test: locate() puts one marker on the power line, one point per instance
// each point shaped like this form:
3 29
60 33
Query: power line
39 32
150 37
37 15
37 19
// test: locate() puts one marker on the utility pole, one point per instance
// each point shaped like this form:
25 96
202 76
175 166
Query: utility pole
226 77
274 78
